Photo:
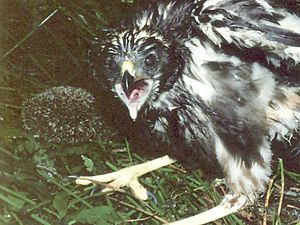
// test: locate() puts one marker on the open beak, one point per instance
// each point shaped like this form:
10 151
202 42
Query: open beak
133 89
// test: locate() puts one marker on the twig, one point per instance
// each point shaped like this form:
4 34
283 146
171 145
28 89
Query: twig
177 168
5 105
267 201
281 191
293 207
137 220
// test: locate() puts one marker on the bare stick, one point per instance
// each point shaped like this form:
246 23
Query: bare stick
267 201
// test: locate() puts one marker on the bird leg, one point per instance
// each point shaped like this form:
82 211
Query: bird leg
126 177
229 205
129 177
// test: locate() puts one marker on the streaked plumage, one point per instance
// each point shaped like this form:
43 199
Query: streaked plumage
218 79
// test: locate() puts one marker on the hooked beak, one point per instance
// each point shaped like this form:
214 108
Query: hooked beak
133 90
128 76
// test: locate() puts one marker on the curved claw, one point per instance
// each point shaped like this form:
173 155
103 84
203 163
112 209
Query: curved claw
152 196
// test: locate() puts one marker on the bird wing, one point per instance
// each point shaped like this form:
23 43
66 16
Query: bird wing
255 25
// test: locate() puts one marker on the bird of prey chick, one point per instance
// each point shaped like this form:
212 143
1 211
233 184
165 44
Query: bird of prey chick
218 79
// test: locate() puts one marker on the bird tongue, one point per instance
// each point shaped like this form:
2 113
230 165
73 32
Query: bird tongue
135 96
137 90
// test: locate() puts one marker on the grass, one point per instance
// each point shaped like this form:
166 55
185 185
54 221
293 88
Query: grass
44 44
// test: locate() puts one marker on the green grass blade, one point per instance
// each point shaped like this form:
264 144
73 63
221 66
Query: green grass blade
17 45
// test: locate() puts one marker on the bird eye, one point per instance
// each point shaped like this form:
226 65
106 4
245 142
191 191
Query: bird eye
150 60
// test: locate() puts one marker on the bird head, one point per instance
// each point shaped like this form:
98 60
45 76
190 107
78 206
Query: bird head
138 64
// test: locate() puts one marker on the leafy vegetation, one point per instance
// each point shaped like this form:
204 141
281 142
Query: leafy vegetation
44 44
